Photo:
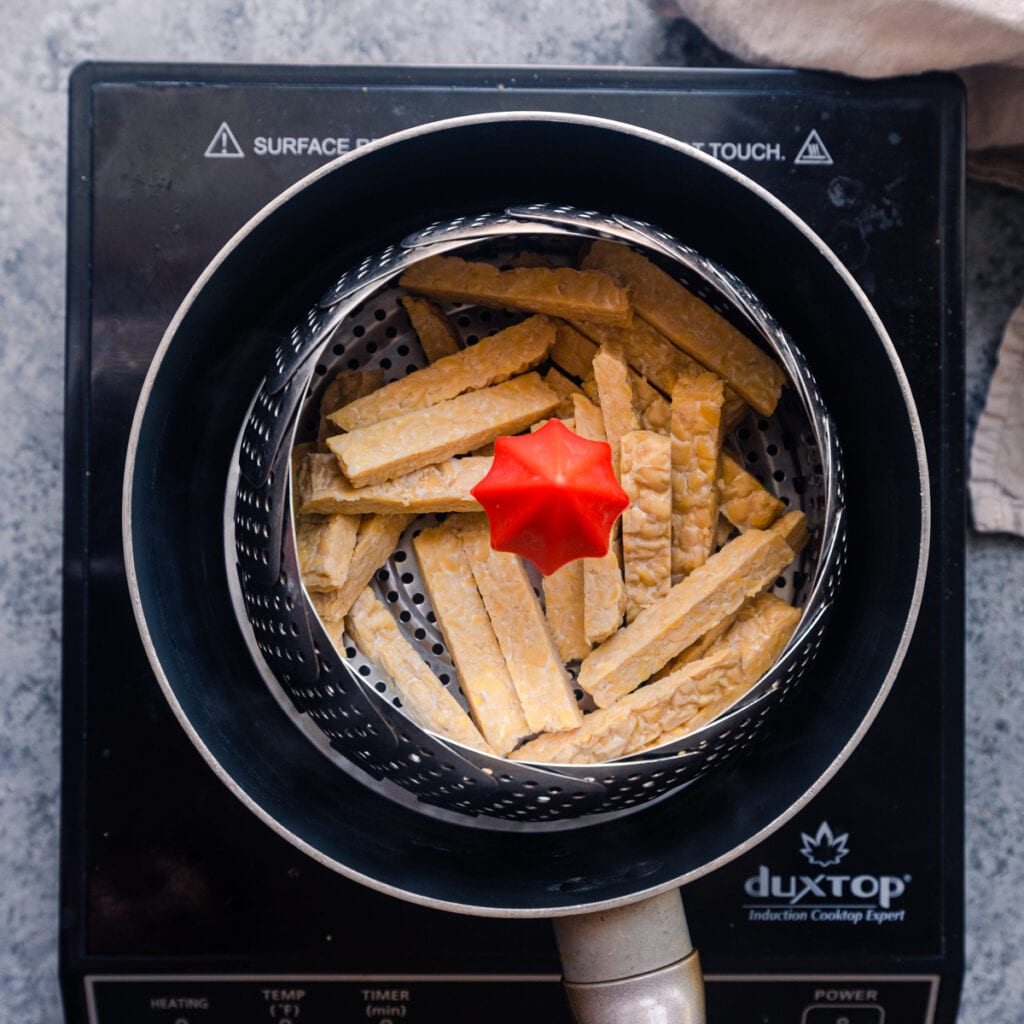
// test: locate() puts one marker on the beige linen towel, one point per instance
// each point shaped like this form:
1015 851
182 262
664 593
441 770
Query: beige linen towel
982 40
997 459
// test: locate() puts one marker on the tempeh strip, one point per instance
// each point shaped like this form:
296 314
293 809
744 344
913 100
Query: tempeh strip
696 441
723 531
588 419
396 446
437 337
604 596
491 361
377 538
647 523
792 528
744 567
346 387
636 720
376 634
324 546
543 685
563 599
648 351
573 352
563 608
698 649
759 635
655 412
564 388
734 411
557 291
604 593
742 499
692 324
462 618
444 487
616 393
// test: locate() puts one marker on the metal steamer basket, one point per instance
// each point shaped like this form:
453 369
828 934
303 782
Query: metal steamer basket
359 324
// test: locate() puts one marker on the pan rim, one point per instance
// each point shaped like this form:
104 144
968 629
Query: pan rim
128 496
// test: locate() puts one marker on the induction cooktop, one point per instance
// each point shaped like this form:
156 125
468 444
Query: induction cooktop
177 905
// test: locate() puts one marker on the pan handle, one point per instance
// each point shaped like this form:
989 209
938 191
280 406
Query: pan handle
633 963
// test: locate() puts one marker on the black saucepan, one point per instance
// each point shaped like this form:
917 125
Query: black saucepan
196 396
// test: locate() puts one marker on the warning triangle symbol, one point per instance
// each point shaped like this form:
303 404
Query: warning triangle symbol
813 151
224 143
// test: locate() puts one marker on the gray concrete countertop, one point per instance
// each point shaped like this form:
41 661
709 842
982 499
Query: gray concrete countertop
45 41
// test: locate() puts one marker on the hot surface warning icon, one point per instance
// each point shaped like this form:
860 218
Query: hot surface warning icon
224 143
813 151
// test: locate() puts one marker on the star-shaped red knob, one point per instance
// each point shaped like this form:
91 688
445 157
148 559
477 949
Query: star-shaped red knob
551 496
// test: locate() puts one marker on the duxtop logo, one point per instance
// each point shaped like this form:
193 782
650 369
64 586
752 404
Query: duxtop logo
824 848
826 896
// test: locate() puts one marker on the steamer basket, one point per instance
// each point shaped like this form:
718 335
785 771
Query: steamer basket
360 324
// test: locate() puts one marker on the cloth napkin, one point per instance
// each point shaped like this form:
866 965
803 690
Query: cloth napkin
982 40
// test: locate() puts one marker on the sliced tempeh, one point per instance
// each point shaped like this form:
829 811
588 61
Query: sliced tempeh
742 499
759 635
616 393
655 412
444 487
324 546
557 291
540 679
696 442
647 523
462 618
588 419
491 361
564 388
636 720
563 608
723 531
604 596
648 351
734 411
656 360
792 528
299 455
744 567
573 352
346 387
376 634
402 444
438 338
377 538
692 324
698 649
604 593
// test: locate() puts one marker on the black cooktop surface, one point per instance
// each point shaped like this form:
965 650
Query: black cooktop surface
166 874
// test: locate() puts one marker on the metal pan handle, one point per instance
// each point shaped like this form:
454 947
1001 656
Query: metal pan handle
634 963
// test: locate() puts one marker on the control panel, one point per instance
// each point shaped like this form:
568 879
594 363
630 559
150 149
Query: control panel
433 999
